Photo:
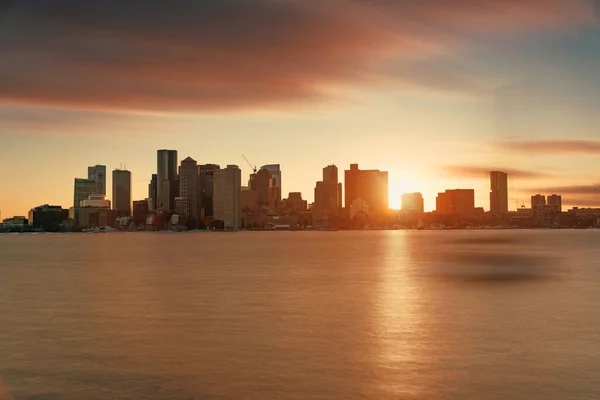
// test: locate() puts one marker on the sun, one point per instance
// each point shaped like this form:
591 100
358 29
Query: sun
397 186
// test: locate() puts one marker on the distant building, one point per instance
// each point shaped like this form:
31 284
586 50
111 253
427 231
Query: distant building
227 193
275 170
413 203
17 222
168 184
328 195
97 173
153 192
47 217
538 200
263 183
96 200
206 188
555 201
111 218
121 183
141 210
369 185
188 188
183 207
498 192
83 189
456 202
249 199
294 203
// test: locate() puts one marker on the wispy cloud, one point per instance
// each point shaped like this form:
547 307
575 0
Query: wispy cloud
554 146
229 54
570 190
483 172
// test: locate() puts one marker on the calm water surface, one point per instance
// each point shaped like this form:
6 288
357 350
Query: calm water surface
301 315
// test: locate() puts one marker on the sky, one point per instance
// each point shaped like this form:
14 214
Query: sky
435 92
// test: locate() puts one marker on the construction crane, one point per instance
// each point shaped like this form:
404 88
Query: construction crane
250 164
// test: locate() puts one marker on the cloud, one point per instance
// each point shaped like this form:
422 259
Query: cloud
554 146
570 190
483 172
191 55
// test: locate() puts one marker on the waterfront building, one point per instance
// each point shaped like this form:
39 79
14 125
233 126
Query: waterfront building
141 210
227 193
555 201
498 192
167 180
121 185
206 184
188 188
97 173
538 200
459 202
47 217
371 186
328 195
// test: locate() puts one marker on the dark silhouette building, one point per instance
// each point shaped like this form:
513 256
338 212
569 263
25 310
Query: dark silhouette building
555 200
206 186
538 200
368 186
188 188
153 192
459 202
48 218
264 185
141 210
328 195
121 184
168 184
498 192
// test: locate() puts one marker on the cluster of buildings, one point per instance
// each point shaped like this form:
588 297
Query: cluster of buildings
188 195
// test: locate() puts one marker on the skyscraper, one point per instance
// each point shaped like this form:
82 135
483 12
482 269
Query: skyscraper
275 170
556 201
498 192
370 186
83 189
263 183
188 187
227 192
206 189
168 185
413 203
97 173
121 188
153 192
328 195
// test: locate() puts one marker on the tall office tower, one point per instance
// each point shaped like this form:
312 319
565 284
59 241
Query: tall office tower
538 200
168 184
121 188
206 189
371 186
188 187
413 203
83 189
275 170
328 195
556 201
456 202
227 193
97 173
153 192
498 192
263 184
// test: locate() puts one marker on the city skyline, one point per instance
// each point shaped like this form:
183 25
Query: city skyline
507 86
